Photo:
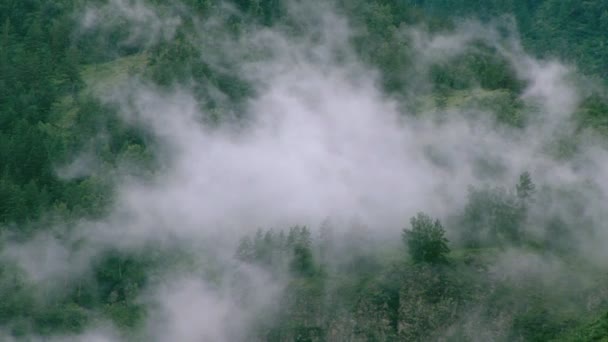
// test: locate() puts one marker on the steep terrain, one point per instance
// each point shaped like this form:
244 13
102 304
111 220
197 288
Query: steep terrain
258 170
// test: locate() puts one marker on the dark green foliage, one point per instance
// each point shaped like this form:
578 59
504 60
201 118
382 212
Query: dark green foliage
21 311
180 61
592 113
425 240
66 316
39 70
482 67
597 330
525 188
342 285
572 30
302 262
120 278
537 324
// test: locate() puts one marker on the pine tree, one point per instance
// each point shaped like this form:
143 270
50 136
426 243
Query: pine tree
525 188
425 240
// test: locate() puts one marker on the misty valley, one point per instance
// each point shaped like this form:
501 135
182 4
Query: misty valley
288 170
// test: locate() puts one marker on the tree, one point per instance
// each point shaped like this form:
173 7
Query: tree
245 251
525 188
494 216
302 263
426 241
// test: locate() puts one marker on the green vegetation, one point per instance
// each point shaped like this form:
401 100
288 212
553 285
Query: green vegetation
426 241
341 285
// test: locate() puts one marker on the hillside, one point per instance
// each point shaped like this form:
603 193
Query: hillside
244 170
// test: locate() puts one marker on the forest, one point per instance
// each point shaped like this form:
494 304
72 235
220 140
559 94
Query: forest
286 170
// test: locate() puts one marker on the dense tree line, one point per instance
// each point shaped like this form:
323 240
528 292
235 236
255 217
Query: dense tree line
46 118
427 290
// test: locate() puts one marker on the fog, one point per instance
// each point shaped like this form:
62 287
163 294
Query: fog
319 139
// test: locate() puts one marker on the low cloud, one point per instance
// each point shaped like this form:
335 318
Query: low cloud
320 140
